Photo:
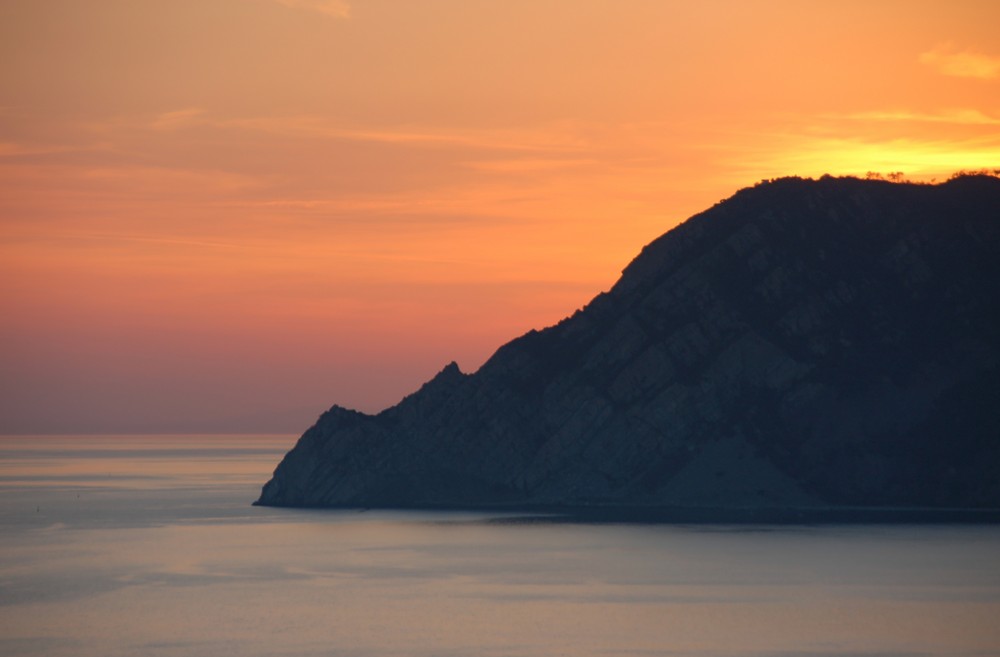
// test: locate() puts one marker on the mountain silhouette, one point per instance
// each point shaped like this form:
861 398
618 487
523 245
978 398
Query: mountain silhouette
802 344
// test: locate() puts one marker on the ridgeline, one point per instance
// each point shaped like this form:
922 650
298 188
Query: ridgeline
803 345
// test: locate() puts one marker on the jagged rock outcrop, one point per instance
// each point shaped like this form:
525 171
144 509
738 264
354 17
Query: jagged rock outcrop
803 343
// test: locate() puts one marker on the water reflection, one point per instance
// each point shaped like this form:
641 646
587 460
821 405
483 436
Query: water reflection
167 558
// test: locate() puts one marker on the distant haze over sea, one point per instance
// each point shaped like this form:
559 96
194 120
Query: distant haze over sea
122 546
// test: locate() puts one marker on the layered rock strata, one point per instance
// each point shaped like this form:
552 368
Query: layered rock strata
801 344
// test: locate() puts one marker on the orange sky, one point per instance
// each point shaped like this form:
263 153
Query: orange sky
230 214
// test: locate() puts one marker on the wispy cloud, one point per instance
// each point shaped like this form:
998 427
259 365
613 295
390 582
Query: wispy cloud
954 116
149 239
530 165
548 139
177 119
948 60
11 149
334 8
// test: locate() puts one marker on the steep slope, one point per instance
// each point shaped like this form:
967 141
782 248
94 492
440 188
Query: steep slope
803 343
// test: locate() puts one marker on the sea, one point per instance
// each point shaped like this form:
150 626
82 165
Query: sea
148 545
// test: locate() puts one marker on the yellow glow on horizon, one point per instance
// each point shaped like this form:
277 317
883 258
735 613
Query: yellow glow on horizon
919 160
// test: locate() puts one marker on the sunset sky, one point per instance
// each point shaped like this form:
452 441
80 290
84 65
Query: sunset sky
227 215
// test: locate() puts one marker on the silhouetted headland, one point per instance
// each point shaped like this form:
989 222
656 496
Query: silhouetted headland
804 350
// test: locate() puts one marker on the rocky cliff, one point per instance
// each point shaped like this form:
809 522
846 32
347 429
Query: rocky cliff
801 344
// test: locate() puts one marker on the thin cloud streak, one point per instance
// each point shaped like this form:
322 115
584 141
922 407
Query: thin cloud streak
545 138
332 8
151 239
955 117
178 119
530 165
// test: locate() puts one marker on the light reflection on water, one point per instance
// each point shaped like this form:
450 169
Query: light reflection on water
148 546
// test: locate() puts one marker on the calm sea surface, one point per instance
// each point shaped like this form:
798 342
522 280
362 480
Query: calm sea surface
148 545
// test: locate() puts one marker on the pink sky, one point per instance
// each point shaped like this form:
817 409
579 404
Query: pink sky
227 215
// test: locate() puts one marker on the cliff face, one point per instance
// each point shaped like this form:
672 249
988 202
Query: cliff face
831 342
